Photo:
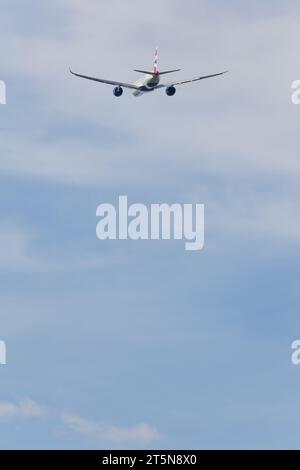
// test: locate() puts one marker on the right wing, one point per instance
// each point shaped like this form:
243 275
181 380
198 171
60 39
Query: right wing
108 82
193 80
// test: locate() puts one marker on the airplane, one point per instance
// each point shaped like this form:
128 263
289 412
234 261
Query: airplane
149 82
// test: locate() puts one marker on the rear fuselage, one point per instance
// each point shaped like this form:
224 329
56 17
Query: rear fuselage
147 83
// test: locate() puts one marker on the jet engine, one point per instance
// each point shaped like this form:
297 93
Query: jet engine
118 91
170 91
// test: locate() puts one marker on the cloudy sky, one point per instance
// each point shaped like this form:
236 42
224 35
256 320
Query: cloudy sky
141 344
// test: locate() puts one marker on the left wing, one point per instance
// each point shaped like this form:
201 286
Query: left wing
193 80
108 82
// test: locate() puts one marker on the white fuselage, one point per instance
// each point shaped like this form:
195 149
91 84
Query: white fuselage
146 83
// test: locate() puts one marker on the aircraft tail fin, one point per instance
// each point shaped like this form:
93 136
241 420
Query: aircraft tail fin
155 69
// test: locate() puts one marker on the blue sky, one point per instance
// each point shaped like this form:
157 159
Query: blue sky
141 344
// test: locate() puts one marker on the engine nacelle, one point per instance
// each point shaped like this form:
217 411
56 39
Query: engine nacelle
171 90
118 91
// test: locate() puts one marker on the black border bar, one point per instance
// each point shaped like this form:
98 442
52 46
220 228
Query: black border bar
138 458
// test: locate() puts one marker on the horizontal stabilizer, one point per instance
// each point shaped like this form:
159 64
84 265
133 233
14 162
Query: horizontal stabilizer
144 71
169 71
158 73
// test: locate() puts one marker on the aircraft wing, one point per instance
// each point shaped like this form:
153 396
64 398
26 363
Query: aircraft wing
108 82
193 80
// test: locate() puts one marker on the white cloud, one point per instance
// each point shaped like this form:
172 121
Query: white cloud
102 432
25 408
246 117
142 434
